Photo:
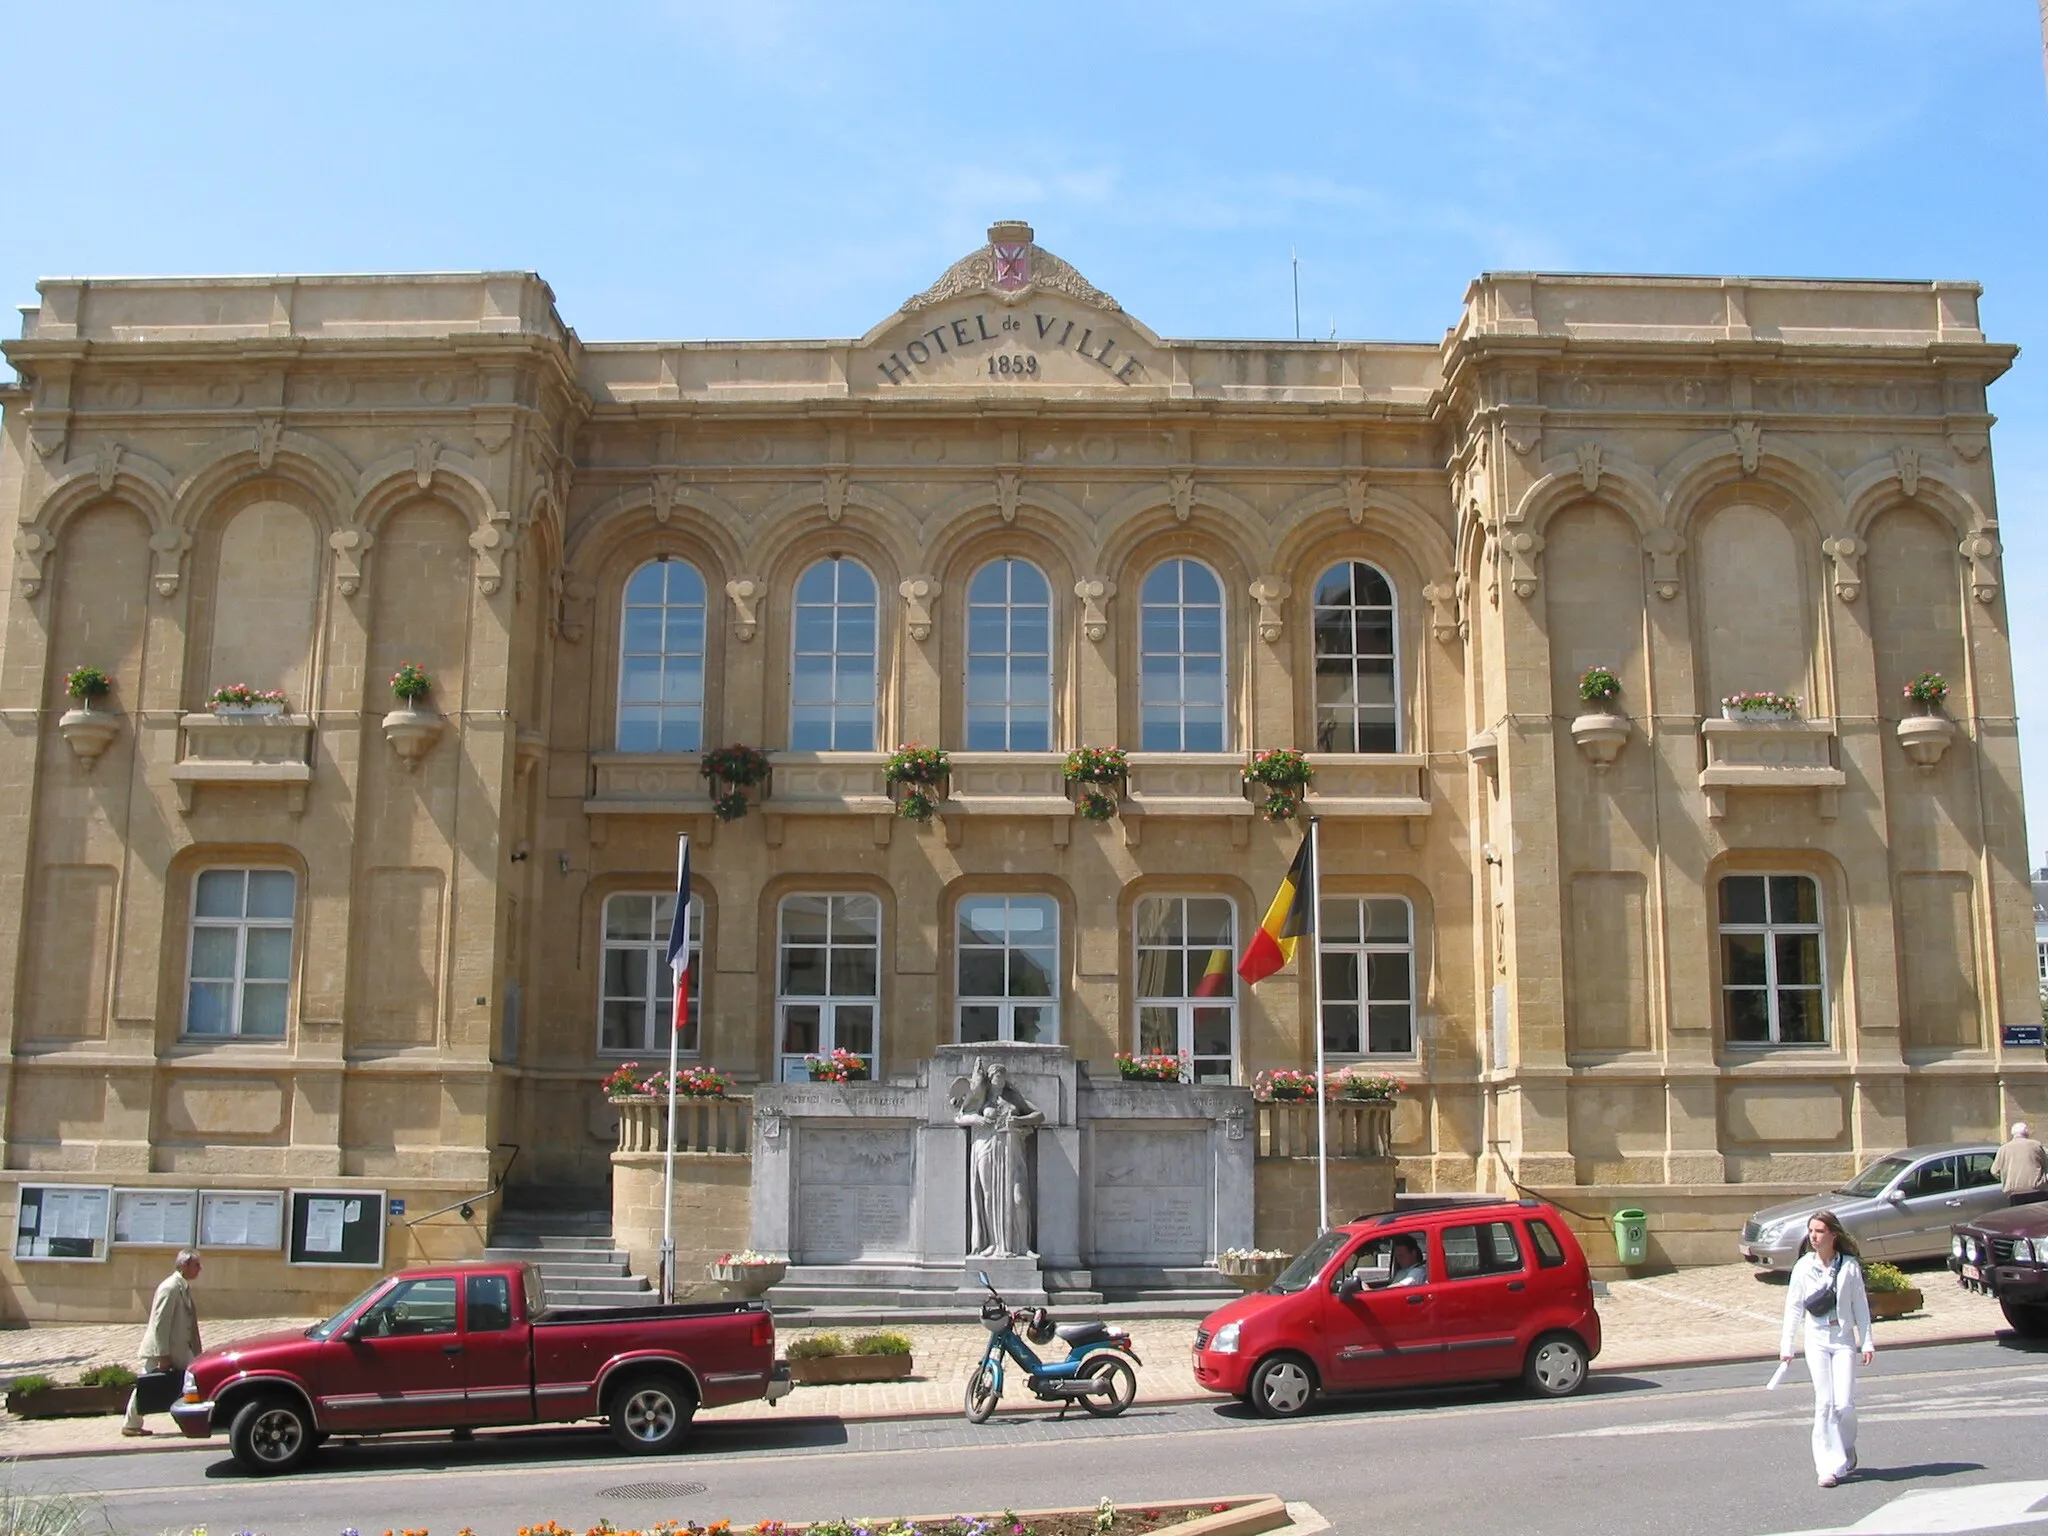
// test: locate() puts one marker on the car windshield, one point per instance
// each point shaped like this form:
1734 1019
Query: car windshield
327 1329
1301 1274
1872 1180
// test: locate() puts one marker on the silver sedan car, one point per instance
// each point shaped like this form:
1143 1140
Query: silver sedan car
1900 1207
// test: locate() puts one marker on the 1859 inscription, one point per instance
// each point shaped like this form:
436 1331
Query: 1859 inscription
1039 331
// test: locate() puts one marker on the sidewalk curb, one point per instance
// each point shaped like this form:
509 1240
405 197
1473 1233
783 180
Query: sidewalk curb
167 1443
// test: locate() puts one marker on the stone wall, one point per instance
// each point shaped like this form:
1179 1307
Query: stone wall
714 1194
1289 1201
1687 1226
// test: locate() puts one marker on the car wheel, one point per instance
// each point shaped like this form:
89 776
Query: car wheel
2029 1319
651 1413
1123 1390
1556 1366
982 1393
270 1435
1283 1387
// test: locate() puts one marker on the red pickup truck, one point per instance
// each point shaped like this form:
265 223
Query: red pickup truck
463 1347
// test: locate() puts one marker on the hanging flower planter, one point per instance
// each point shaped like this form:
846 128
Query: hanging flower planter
1096 778
88 730
738 777
917 778
412 728
1277 779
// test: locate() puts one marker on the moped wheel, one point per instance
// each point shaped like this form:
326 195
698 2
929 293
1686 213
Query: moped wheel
983 1393
1122 1393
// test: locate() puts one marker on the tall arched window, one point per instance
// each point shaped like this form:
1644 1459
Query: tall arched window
832 684
661 659
828 989
1180 660
1358 704
1009 658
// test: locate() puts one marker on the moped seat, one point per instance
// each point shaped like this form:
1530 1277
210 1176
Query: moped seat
1082 1333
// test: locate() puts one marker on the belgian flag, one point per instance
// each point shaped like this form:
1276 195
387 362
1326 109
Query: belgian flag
1289 917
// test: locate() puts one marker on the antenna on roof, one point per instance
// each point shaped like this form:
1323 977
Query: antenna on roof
1295 256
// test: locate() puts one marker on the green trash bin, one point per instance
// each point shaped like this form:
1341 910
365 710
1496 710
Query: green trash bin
1631 1236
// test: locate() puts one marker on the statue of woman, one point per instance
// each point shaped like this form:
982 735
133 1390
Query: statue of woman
1001 1120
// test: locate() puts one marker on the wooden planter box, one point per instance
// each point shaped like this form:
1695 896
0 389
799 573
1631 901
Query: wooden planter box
1889 1304
846 1370
68 1402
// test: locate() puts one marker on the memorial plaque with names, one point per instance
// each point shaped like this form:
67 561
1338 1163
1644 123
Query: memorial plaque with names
854 1194
1154 1197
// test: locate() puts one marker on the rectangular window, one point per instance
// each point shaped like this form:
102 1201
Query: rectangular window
1368 950
1187 982
1489 1249
489 1300
828 980
1007 969
1772 990
239 970
638 989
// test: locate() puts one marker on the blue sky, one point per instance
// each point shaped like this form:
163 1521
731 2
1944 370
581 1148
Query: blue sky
774 168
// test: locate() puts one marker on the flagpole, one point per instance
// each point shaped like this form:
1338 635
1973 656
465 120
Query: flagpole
678 1004
1315 969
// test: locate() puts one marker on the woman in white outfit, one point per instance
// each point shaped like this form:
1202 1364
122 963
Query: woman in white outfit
1827 1295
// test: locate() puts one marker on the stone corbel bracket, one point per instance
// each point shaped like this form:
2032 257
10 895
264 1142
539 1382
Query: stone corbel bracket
1095 594
1982 549
1442 597
574 599
492 547
1355 488
1663 546
269 433
1009 487
1846 551
1270 593
32 546
743 592
1906 465
919 594
664 492
1521 547
835 495
1588 455
1749 444
1181 485
350 545
168 545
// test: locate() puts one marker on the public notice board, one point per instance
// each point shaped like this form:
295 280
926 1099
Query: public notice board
337 1226
241 1218
62 1221
156 1218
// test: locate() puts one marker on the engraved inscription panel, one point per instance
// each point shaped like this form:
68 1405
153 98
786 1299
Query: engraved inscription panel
1155 1196
853 1194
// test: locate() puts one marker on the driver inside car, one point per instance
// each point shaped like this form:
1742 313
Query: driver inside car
1386 1262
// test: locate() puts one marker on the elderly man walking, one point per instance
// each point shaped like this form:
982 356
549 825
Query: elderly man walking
171 1341
2022 1167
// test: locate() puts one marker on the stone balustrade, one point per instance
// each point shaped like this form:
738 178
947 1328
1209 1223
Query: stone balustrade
1770 755
1357 1129
243 750
702 1125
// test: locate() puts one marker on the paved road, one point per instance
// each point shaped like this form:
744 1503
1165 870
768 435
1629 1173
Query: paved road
1704 1450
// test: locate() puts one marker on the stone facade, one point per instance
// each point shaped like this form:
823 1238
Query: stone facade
1708 485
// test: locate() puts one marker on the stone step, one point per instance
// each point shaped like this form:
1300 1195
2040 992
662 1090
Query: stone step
621 1291
553 1264
541 1242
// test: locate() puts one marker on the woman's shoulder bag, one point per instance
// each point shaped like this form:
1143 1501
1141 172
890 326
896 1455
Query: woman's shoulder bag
1822 1301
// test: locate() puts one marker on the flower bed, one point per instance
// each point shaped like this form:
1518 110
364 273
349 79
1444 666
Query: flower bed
825 1359
1191 1517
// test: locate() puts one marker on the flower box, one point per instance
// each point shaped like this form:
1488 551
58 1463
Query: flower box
1924 738
67 1402
1601 736
847 1370
745 1281
1887 1305
1252 1271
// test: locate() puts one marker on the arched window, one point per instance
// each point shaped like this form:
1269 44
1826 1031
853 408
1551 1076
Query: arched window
1009 658
828 987
1007 969
1358 705
832 684
1187 982
1180 660
661 660
638 989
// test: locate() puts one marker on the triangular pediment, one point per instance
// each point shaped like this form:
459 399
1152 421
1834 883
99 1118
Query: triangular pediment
1010 269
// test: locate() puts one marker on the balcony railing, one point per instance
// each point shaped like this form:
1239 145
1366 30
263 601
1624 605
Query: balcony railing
1356 1129
702 1125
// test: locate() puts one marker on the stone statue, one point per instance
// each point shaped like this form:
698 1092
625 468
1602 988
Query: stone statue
1001 1198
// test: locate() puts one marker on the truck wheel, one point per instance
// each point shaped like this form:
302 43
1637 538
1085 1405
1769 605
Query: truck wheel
270 1434
1121 1395
2029 1319
651 1413
1283 1386
1556 1366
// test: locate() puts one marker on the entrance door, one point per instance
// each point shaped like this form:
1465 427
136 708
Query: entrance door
1387 1334
400 1367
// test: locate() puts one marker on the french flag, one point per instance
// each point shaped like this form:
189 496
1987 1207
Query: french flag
679 937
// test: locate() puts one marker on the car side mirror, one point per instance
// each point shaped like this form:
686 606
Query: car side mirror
1896 1196
352 1332
1349 1287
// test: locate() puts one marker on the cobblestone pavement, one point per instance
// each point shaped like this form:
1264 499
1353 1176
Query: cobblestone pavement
1717 1313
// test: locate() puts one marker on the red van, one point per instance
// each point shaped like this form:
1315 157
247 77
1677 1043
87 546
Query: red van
1429 1294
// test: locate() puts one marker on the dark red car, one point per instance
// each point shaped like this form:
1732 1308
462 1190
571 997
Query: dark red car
1430 1294
464 1346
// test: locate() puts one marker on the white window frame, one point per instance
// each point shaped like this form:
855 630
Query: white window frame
1363 949
1007 1003
1771 931
1011 658
837 607
790 1063
659 983
668 660
1186 1003
1356 712
1177 659
241 926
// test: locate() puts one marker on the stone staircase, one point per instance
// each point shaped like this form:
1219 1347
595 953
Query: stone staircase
570 1242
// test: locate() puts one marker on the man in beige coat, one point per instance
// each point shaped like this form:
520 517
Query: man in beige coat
2022 1167
171 1341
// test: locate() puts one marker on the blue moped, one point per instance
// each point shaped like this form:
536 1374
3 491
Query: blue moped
1096 1374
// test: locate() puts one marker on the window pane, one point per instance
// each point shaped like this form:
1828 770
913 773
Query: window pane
979 1023
803 917
1742 960
1340 975
263 1008
1212 1031
1794 899
981 973
268 955
1393 1029
1742 899
1461 1251
1340 1029
490 1303
1798 959
855 916
1749 1015
219 894
1208 920
213 954
643 631
853 1029
1504 1253
621 1027
629 917
1031 972
1386 978
982 922
1159 1030
853 973
270 893
646 585
1159 920
1342 922
207 1008
1032 1026
1799 1016
1162 973
800 1029
803 971
1388 921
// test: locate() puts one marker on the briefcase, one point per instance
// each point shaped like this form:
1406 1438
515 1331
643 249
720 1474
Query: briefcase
155 1391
